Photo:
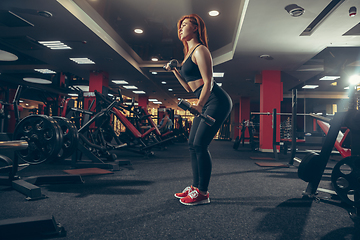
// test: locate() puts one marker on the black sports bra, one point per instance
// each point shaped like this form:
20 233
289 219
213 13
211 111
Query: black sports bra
189 70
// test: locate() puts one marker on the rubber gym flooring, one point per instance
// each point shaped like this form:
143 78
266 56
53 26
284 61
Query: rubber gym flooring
247 201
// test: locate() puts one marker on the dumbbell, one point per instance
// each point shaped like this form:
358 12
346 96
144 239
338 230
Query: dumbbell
173 64
183 104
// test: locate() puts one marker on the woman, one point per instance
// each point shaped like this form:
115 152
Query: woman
196 75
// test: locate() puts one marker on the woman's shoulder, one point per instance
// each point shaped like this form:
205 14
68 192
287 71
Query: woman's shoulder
201 50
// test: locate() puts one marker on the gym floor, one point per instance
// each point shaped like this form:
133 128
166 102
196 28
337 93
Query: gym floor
247 201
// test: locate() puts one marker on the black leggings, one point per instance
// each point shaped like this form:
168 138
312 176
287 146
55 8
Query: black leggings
218 106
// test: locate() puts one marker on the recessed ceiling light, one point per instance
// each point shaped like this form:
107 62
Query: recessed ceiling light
45 71
157 102
154 59
310 86
7 57
55 45
163 82
333 84
219 84
214 13
130 87
153 100
170 89
73 94
346 87
139 92
154 73
120 82
138 31
218 74
37 80
329 78
82 60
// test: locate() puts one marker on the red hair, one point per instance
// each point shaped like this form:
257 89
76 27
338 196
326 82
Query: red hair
201 30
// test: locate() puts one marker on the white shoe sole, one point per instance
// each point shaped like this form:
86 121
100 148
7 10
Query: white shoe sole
205 201
177 196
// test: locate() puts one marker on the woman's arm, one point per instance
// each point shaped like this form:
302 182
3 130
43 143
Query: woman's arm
179 78
204 61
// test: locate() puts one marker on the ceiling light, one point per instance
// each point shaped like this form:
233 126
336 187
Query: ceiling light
138 31
218 74
82 60
329 78
82 87
170 89
154 73
219 84
139 92
130 87
310 86
294 10
120 82
157 102
214 13
37 80
333 84
154 59
45 71
73 94
7 57
346 87
163 82
55 45
354 79
153 100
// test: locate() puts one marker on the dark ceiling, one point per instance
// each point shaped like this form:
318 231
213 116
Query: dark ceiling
103 31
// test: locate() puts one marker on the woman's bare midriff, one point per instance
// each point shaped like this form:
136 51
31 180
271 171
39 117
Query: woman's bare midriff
195 84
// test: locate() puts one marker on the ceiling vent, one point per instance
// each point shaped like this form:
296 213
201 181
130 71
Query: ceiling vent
294 10
321 17
10 19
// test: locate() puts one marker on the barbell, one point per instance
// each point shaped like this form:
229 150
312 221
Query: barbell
48 138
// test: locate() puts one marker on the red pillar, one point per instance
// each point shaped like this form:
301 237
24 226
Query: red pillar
143 101
271 95
244 112
97 81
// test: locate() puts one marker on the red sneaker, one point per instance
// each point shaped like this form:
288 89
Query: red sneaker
195 198
185 192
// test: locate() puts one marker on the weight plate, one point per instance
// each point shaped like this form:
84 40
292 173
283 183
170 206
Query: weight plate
70 137
345 178
309 167
43 135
